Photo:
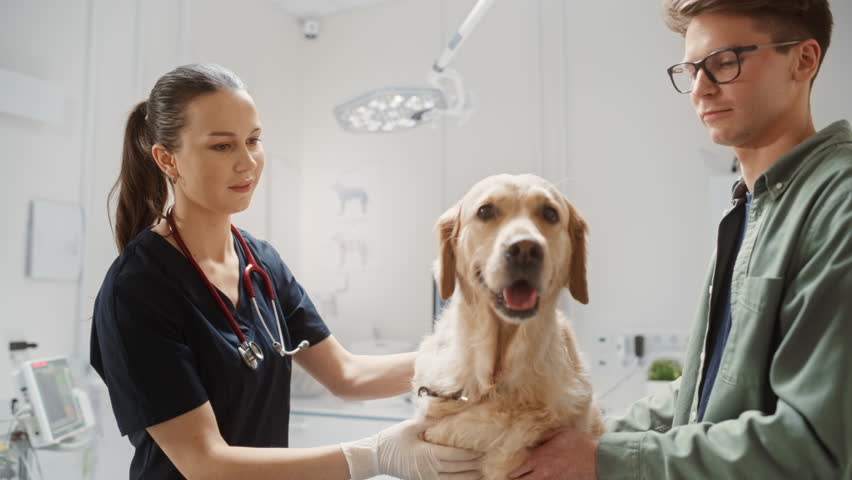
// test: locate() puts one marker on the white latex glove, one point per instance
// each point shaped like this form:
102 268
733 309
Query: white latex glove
401 452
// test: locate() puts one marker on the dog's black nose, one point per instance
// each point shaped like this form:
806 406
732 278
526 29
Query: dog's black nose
525 253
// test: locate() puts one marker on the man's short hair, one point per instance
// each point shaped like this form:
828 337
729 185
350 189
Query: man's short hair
784 20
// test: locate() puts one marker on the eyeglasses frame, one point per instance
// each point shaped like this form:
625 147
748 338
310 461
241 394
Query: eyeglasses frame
701 64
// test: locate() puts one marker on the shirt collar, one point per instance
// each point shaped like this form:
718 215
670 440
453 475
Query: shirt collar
780 174
738 192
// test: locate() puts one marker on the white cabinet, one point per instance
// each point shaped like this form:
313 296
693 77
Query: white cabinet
309 430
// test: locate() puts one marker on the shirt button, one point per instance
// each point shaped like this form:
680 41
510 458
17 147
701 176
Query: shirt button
693 417
710 290
702 357
779 186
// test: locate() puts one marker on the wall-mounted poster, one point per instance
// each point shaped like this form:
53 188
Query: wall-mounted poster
55 240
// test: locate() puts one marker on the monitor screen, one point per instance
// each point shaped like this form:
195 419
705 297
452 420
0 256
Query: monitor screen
54 397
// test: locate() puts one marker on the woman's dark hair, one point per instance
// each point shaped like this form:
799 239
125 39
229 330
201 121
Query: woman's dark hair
142 187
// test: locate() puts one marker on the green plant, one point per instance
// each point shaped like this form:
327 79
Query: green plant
664 369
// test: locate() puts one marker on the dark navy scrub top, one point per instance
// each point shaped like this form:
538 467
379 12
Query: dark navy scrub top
163 347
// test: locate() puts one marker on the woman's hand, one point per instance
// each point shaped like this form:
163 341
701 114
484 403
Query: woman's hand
400 451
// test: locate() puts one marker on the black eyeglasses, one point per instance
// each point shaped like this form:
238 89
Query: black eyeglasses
722 66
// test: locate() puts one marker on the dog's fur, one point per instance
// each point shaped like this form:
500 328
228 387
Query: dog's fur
521 374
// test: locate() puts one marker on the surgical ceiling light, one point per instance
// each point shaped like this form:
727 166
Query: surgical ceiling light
391 109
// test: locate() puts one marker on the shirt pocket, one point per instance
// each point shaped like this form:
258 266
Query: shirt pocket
750 346
761 295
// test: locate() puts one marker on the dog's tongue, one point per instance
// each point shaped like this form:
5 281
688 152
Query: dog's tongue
520 296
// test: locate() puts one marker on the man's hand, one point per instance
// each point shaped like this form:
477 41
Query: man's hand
562 454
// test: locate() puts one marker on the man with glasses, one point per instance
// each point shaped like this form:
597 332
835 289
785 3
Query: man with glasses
766 390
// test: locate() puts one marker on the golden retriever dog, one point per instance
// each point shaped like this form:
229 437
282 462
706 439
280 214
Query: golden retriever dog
502 366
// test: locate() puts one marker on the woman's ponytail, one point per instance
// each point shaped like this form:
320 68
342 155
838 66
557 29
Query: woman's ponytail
141 185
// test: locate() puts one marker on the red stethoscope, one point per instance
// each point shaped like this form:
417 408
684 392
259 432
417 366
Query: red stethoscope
249 351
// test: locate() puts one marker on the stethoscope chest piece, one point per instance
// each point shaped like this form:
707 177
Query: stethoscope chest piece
251 353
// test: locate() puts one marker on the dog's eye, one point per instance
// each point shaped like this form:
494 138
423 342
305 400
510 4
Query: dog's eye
550 214
486 212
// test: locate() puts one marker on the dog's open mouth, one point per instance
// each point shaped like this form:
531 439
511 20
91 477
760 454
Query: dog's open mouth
518 300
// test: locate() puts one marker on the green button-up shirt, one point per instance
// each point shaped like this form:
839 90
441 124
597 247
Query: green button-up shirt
781 405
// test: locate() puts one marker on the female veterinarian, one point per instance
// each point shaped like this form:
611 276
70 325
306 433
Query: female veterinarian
196 321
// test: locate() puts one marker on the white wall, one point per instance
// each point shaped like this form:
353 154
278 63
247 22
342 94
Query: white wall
414 176
572 91
526 120
831 96
638 168
567 90
105 55
356 51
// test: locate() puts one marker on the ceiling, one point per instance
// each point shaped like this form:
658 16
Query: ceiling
321 8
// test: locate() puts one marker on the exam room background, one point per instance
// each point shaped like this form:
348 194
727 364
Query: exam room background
573 91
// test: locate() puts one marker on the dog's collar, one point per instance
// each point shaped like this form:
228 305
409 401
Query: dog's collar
429 392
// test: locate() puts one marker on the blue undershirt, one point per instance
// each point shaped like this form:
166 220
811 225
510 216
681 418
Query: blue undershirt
721 325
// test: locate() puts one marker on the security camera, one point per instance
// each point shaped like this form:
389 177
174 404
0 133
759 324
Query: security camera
310 28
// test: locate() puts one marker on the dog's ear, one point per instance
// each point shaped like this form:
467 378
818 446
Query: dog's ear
445 266
576 263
